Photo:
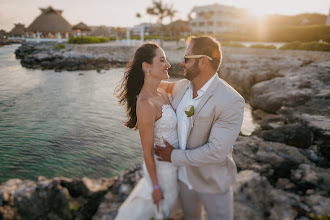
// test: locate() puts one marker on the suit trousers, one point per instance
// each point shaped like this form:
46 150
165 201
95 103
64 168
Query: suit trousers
218 206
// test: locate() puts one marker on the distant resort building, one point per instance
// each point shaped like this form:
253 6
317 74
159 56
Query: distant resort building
3 34
101 31
81 29
50 25
328 19
18 31
147 28
216 18
50 22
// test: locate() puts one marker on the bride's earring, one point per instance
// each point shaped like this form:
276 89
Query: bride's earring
148 72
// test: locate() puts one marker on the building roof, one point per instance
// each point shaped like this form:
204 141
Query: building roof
50 20
81 26
19 29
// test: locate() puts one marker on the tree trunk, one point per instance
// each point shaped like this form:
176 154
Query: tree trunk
161 36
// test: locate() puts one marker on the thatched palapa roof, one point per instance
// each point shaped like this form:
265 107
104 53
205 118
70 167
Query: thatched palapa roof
18 30
82 27
50 20
101 31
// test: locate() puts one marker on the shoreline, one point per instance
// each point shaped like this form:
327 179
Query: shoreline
283 168
107 55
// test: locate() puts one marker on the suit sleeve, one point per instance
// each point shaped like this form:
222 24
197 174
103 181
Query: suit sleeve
223 135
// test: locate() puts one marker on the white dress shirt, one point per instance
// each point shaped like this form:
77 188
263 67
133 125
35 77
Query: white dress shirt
183 121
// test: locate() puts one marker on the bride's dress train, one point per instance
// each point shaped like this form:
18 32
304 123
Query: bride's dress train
139 204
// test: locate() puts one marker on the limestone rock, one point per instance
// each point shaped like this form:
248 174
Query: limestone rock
291 134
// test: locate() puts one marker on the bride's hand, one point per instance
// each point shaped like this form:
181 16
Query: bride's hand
157 195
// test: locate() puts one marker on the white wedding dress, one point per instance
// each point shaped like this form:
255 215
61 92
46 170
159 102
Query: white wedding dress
139 204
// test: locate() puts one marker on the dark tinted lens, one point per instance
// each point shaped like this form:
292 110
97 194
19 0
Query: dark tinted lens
185 59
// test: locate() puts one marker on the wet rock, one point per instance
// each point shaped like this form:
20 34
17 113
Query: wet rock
307 177
271 95
244 71
255 198
319 204
45 57
42 200
270 121
272 160
291 134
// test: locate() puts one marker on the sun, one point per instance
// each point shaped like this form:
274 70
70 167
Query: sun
258 12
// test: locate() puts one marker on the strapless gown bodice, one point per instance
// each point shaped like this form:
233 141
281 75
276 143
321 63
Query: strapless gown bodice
165 127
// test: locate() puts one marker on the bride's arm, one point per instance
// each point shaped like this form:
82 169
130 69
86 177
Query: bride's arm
167 86
172 87
146 117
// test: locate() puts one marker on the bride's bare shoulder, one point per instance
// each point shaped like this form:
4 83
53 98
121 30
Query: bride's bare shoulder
145 107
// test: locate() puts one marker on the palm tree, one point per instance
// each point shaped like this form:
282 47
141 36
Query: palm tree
171 13
178 28
139 16
159 10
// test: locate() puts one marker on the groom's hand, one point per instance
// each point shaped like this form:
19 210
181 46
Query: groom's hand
164 153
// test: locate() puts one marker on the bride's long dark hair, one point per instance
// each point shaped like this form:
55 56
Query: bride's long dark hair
133 80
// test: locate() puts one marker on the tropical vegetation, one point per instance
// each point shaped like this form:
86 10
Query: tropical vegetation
315 46
88 40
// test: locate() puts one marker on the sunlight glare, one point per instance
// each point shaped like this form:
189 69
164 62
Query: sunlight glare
259 12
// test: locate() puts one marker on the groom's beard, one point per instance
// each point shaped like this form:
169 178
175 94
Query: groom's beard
192 72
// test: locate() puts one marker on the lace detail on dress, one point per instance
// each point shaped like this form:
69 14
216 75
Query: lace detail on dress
165 127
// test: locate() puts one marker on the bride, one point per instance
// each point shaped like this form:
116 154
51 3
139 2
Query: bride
148 108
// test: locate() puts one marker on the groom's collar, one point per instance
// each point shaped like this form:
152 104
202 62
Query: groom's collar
202 90
213 85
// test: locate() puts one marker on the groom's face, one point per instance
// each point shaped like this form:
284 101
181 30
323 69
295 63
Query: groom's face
190 65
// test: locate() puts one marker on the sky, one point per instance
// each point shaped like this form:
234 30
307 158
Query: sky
123 12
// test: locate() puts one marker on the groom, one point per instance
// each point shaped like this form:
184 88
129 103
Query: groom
210 115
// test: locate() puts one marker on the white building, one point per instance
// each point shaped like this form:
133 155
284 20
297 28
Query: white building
328 19
146 27
211 19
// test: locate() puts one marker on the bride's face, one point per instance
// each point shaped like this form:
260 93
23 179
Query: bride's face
159 67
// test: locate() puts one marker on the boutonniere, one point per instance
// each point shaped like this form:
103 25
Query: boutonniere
190 110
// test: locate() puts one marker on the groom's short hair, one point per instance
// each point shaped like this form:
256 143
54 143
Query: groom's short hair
206 45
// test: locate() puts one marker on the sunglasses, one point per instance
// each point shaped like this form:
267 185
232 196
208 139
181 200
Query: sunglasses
195 56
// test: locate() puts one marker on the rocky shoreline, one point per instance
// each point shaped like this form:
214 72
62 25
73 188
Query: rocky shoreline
283 168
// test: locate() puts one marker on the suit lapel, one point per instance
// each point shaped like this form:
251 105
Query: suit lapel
209 92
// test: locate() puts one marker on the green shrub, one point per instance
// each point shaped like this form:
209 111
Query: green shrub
180 48
112 38
59 46
232 44
315 46
263 46
88 40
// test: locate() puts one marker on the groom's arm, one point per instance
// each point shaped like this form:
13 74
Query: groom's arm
223 135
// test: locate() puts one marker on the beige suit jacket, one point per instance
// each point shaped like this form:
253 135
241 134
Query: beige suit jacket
217 121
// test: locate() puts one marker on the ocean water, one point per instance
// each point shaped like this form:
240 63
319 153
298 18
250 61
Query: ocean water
64 123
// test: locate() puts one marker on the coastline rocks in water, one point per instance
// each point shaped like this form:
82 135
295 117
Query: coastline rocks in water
256 198
272 160
271 95
307 177
300 191
45 57
294 89
291 134
58 198
243 71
